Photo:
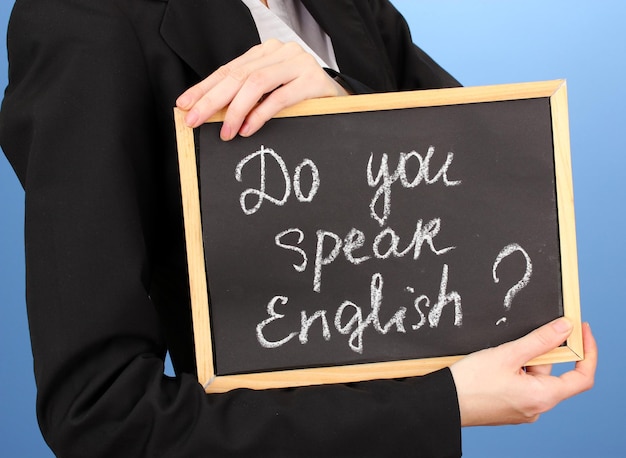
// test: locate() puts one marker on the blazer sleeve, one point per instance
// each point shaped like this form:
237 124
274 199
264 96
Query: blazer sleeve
78 125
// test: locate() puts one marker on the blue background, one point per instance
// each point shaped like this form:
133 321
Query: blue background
480 42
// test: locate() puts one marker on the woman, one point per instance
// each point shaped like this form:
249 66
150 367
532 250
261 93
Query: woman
87 125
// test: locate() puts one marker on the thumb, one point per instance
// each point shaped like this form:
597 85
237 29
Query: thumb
540 341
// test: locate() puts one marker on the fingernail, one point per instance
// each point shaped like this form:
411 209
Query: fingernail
245 129
562 325
191 119
225 132
183 102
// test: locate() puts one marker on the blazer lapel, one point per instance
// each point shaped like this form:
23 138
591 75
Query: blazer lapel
208 33
356 52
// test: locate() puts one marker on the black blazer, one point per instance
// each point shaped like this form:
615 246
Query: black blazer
86 123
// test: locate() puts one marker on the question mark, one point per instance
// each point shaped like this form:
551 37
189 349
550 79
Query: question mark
510 294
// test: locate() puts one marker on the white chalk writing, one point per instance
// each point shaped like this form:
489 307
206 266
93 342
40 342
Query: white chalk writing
356 247
356 325
521 284
330 245
261 193
384 179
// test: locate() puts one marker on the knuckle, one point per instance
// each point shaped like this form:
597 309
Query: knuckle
532 418
238 74
528 415
257 78
530 409
256 48
206 103
308 60
539 405
293 48
271 45
588 384
229 71
544 339
223 71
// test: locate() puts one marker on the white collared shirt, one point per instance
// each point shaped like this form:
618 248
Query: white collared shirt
289 20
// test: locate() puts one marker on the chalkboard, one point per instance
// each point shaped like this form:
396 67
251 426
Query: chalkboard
379 236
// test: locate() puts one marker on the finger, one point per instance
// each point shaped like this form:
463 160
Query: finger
245 85
256 90
209 101
302 87
216 91
538 342
582 377
278 68
188 98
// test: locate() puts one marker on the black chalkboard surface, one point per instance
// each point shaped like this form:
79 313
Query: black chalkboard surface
380 236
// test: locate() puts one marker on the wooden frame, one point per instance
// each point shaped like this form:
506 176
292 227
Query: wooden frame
571 351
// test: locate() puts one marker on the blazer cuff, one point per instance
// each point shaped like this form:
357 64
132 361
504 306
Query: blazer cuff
351 85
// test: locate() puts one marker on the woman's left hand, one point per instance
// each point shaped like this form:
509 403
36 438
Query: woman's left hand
257 85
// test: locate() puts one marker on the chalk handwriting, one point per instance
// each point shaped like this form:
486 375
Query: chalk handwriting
385 245
273 316
315 181
261 194
356 324
278 240
384 179
444 299
521 284
350 319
